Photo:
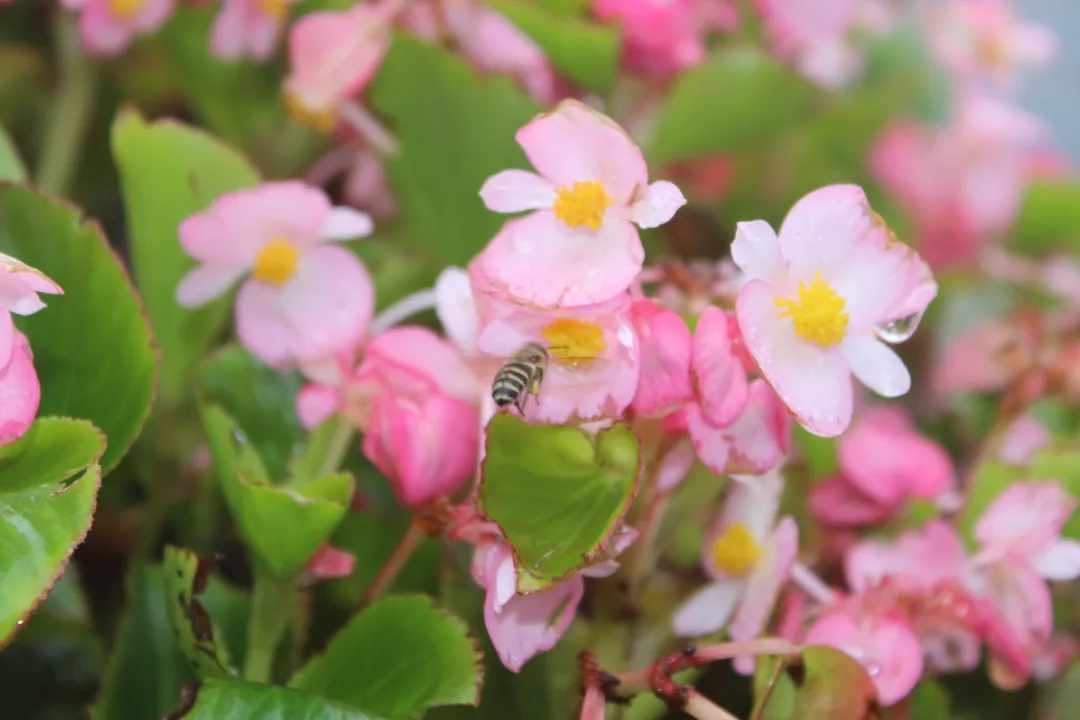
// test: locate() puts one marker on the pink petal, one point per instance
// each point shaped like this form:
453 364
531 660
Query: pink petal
227 34
765 582
918 560
722 390
344 223
877 366
1023 598
707 610
756 250
675 466
575 143
317 403
539 261
822 229
838 503
420 352
329 562
1025 519
153 15
456 308
1025 438
9 339
20 392
516 190
1059 561
206 283
100 32
657 204
665 341
814 383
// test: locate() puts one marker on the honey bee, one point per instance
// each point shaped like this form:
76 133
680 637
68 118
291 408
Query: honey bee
522 373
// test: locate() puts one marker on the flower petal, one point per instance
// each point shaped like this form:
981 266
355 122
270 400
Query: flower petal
877 366
765 582
657 205
722 390
205 283
516 190
822 228
707 610
1025 519
665 359
756 250
20 391
529 624
316 403
456 308
345 223
1060 561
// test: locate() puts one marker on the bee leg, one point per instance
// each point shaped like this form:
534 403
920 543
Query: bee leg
520 404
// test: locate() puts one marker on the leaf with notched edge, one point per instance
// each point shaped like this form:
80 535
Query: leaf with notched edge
185 577
242 700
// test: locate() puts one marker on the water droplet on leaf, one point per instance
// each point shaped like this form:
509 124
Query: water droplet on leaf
898 330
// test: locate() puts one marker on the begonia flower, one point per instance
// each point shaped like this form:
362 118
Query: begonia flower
107 27
816 298
19 288
304 297
248 28
329 562
754 442
814 36
579 246
20 391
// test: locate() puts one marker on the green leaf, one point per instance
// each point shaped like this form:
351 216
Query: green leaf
169 171
260 400
818 452
282 526
585 52
823 683
42 519
1049 216
11 167
556 493
928 701
736 98
92 346
236 700
453 136
397 658
196 633
146 670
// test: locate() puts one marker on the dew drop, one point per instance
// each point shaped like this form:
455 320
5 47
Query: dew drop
239 436
899 330
873 668
20 622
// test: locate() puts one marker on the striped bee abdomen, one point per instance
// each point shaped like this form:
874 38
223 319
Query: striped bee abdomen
511 381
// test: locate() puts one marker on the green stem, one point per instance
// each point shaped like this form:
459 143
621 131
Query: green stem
337 448
393 565
72 106
271 600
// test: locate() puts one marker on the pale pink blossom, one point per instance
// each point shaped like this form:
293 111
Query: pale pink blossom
329 562
815 298
304 297
986 39
456 308
366 185
107 27
984 358
580 246
594 353
748 555
661 37
20 391
917 561
754 442
19 288
248 28
333 55
814 36
666 348
1024 438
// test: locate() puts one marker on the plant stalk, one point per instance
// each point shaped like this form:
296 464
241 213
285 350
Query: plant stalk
271 601
412 538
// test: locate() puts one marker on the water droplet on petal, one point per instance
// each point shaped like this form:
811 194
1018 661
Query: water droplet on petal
873 668
898 330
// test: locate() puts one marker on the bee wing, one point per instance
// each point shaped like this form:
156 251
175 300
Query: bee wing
483 365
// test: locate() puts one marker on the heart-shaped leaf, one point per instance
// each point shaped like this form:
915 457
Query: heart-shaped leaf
557 493
185 576
260 400
453 136
42 519
397 658
92 346
238 700
169 171
283 526
823 683
736 98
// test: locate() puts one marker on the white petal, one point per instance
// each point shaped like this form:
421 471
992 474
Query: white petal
876 366
1060 561
707 610
344 223
756 250
517 190
205 283
657 205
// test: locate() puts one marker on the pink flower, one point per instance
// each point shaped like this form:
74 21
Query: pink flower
665 381
917 561
520 626
248 27
814 36
580 247
329 562
748 557
661 38
20 391
106 27
495 45
985 39
304 298
1025 437
367 187
817 296
755 442
884 643
19 288
333 55
594 353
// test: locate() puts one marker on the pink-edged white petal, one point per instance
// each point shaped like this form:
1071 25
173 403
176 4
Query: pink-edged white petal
205 283
822 228
317 403
516 190
1025 519
722 389
20 392
675 466
456 308
708 609
837 503
666 345
877 366
756 250
344 223
657 204
1059 561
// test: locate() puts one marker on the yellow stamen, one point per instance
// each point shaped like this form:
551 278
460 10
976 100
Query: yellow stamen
993 51
322 119
818 314
125 9
276 262
575 340
275 9
736 551
582 204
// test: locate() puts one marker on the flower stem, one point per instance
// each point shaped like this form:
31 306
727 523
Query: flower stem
402 309
337 448
811 584
69 115
393 565
369 128
700 707
271 600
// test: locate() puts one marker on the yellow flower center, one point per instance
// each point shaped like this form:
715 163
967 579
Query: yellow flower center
125 9
322 119
736 551
276 262
993 51
576 341
582 204
275 9
818 314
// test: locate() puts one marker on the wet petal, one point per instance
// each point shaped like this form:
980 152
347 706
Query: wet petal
516 190
756 250
707 610
657 205
877 366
